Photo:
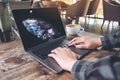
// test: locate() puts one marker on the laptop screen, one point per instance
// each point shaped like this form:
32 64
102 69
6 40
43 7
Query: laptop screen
37 26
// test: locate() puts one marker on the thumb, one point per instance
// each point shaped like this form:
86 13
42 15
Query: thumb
80 46
52 55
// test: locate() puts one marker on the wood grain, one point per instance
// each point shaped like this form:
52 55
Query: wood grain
16 64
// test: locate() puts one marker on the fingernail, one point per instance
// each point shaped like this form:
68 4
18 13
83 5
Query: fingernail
76 46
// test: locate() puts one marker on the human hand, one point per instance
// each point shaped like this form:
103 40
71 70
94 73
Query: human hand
65 57
85 42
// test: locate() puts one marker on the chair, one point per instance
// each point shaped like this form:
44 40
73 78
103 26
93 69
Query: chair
92 10
78 9
93 7
111 12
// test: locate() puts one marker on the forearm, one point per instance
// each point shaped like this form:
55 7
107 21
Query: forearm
111 40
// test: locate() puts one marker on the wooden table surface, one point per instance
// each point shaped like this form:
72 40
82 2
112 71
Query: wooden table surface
16 64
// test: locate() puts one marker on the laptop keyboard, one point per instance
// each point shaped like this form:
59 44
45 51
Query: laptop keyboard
45 50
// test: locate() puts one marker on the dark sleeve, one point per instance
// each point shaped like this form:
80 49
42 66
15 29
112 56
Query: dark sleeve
106 68
79 68
111 40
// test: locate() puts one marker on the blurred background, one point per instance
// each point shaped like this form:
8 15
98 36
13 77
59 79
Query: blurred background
88 13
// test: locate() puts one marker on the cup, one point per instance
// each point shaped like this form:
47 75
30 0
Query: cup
74 29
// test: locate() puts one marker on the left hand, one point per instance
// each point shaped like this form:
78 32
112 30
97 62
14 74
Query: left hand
65 57
85 42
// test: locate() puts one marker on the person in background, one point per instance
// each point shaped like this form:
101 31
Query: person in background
107 68
49 3
35 4
43 3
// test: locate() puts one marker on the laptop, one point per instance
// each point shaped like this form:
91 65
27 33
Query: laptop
41 30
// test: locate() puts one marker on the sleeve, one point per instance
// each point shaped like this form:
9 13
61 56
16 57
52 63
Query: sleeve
111 40
106 68
79 68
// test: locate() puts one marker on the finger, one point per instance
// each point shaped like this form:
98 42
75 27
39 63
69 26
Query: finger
68 51
74 43
53 55
56 57
59 51
74 39
81 46
56 50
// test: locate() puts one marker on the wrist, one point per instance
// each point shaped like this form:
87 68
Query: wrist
71 65
98 42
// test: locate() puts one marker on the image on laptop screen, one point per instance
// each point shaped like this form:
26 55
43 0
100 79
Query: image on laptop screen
41 29
37 26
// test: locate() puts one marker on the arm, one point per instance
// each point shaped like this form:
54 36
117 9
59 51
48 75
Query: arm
108 41
111 40
106 68
79 69
65 57
85 42
68 61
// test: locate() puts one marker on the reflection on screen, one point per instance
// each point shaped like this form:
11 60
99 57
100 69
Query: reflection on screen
41 29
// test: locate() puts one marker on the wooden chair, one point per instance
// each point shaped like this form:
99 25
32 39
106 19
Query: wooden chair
78 9
92 10
93 7
111 12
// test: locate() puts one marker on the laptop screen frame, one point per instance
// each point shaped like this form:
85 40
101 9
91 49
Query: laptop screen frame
52 15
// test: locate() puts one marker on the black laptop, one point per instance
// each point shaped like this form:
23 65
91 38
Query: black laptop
41 30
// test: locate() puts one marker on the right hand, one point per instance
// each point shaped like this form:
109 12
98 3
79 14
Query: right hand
85 42
65 57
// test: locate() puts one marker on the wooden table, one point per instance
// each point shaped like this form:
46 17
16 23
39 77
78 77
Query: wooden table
16 64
